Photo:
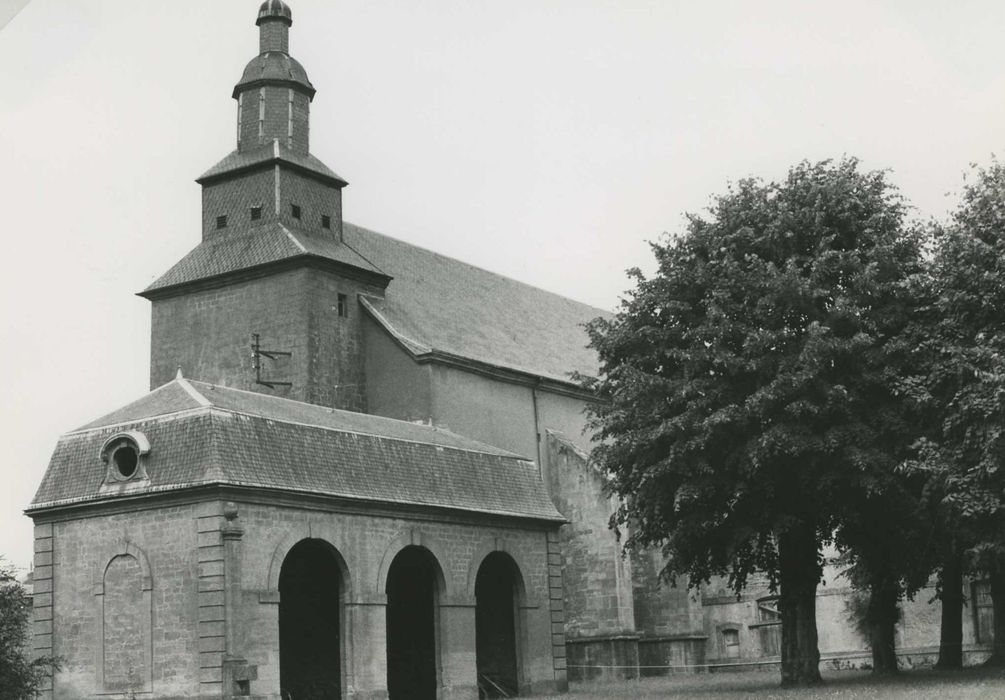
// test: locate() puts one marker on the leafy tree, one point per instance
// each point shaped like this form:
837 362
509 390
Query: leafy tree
888 544
963 454
744 390
20 677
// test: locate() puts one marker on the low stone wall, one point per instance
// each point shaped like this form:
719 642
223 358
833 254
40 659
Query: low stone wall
661 656
605 658
907 658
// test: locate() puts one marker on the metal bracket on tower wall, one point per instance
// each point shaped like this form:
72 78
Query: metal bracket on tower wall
257 353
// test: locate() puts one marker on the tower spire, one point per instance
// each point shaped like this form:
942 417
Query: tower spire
274 94
274 21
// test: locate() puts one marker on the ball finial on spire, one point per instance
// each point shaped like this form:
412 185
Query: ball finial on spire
274 9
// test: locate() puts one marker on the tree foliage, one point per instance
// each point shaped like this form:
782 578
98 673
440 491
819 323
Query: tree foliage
20 677
746 391
963 337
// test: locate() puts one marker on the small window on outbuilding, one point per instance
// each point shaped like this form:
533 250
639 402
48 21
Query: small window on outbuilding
221 221
731 643
256 213
295 211
343 306
326 221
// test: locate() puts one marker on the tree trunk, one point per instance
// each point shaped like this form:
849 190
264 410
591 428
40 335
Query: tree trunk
799 573
882 617
997 580
951 634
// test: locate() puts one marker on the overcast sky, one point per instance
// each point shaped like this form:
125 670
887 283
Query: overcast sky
546 140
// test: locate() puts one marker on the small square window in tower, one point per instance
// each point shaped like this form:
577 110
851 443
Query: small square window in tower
326 221
221 221
256 213
295 211
343 306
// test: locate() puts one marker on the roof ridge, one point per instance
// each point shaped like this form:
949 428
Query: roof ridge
476 267
211 469
390 328
180 413
496 451
191 390
375 265
292 237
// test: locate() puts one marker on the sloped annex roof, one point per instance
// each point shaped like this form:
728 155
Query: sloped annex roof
202 434
433 304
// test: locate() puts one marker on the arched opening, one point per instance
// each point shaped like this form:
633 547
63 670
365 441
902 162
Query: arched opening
310 644
497 590
412 589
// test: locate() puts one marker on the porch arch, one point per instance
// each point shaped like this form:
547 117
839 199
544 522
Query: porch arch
413 536
332 536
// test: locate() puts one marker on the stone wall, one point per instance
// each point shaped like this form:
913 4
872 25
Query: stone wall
840 644
548 428
197 586
600 622
207 333
107 596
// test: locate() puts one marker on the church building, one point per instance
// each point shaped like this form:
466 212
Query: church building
360 471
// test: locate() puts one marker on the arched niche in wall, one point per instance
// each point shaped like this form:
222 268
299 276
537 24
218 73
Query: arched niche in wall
123 646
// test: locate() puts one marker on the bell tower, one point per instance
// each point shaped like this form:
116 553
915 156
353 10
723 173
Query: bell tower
274 95
272 265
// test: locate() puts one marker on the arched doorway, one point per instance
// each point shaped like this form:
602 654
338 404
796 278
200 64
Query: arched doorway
413 583
310 624
497 592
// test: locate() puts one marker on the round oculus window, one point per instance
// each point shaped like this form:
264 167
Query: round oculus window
125 459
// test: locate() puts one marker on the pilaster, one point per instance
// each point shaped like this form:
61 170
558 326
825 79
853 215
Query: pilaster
212 613
366 619
459 664
42 603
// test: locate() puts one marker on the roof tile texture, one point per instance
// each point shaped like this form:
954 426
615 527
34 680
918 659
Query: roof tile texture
247 439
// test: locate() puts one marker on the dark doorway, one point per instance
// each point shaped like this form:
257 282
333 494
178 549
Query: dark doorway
310 656
411 625
495 626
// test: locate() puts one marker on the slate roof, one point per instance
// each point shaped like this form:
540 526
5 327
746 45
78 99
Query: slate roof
258 246
274 66
202 434
269 153
437 303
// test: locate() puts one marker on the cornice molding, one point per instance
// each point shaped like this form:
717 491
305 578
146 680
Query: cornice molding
271 496
258 271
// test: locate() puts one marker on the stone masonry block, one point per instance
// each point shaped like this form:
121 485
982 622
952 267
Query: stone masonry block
212 644
209 613
41 600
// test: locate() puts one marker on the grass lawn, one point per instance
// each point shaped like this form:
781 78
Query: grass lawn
972 684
